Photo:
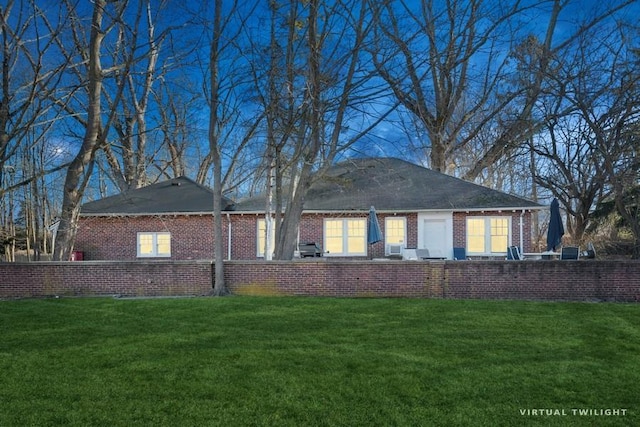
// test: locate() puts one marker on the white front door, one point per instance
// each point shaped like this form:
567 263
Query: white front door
435 234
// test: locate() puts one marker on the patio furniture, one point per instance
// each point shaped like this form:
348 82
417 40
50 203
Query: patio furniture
409 254
590 252
513 253
424 254
309 250
459 253
570 253
418 254
546 255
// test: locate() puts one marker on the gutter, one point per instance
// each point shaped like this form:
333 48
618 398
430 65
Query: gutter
397 211
228 237
522 230
319 211
206 213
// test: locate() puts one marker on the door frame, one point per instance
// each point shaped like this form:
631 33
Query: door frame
447 250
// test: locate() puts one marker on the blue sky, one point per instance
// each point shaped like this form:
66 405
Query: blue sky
389 138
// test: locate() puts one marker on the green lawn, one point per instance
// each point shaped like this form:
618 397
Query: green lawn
313 361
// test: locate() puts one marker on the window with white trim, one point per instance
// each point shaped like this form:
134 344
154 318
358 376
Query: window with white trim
261 237
395 231
488 235
345 237
154 245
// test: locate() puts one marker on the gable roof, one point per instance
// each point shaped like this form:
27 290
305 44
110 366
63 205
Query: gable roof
175 196
391 184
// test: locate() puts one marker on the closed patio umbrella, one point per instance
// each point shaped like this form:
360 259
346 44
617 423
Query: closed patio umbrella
556 229
374 235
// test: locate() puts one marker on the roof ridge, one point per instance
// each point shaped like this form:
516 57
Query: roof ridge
192 181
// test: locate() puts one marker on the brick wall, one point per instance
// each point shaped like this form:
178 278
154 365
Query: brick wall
337 278
137 278
588 280
115 238
311 230
534 280
546 280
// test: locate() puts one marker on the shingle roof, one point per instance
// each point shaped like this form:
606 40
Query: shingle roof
179 195
387 184
391 184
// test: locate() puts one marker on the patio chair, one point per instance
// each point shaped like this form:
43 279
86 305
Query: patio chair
409 254
426 254
570 253
459 253
422 253
590 252
513 253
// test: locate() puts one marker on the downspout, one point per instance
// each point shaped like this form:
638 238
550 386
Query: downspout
522 231
228 237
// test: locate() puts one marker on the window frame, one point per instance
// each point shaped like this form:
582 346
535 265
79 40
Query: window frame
403 243
261 225
487 235
155 253
345 237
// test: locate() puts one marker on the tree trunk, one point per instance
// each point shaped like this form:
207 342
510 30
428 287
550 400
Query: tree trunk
219 286
81 167
288 236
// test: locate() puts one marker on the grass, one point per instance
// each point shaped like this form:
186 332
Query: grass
316 362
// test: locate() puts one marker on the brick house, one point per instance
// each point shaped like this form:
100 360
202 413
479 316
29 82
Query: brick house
416 208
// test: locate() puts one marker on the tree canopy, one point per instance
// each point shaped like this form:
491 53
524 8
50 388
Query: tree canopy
538 98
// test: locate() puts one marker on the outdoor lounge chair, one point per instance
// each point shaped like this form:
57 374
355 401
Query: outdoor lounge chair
513 253
570 252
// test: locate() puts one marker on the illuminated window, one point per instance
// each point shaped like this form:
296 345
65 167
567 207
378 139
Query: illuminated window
475 235
395 230
345 237
262 243
488 234
499 234
152 245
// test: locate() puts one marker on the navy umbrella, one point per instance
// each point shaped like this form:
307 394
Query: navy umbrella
556 229
374 235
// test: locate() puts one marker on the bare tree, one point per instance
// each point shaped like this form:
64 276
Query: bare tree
313 86
616 139
95 132
219 288
449 69
230 130
30 73
176 118
131 125
26 73
586 151
570 169
139 43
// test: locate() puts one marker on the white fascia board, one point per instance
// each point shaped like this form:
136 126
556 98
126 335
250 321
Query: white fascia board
145 214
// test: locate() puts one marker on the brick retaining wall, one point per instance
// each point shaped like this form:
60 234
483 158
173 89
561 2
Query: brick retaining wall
585 280
588 280
335 278
139 278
